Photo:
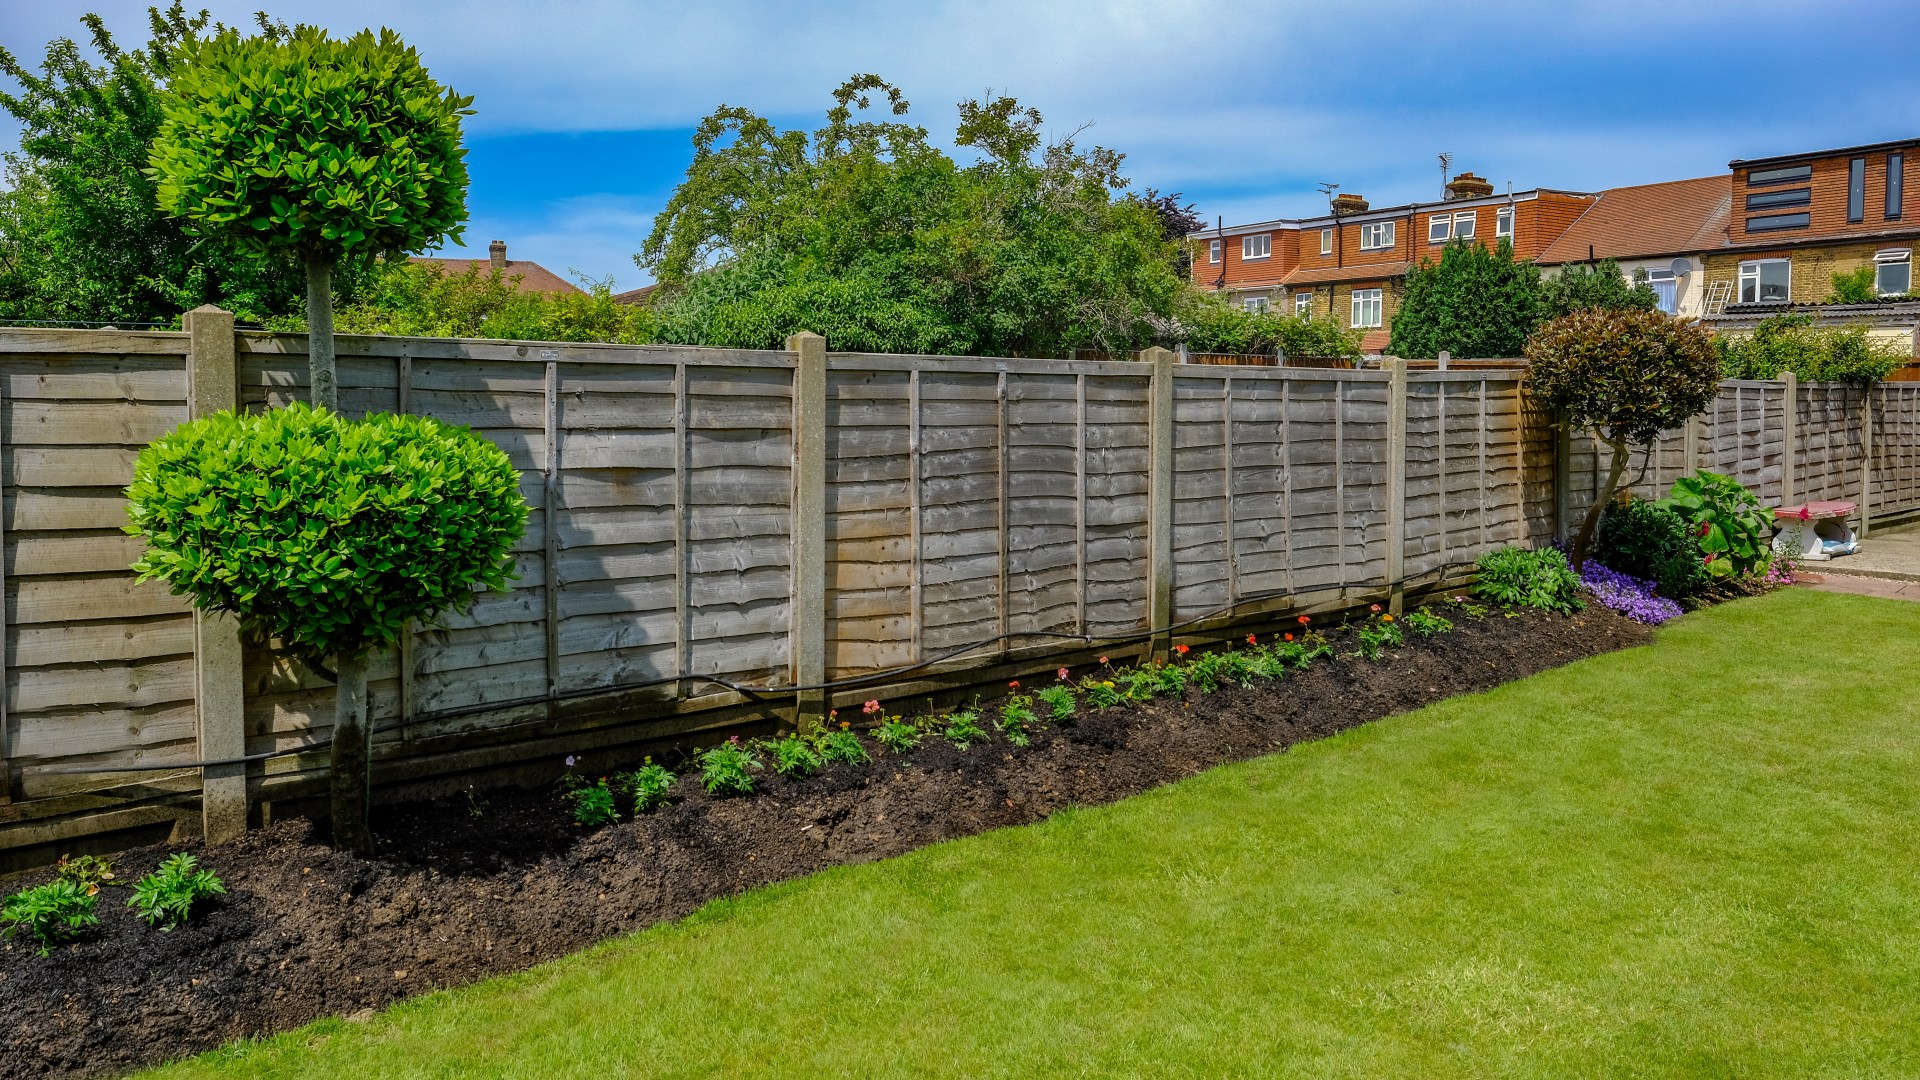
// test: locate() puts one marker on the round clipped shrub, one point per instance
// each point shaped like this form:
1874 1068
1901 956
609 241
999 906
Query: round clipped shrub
325 532
1650 541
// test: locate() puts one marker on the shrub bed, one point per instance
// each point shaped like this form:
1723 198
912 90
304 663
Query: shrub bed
476 885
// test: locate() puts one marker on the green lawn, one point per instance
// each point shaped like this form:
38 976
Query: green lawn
1692 860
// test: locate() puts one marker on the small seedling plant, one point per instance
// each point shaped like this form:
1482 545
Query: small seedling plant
649 785
86 871
1100 693
793 756
52 914
166 898
843 747
1515 577
594 805
963 728
1017 719
1377 635
897 735
1058 701
727 769
1427 623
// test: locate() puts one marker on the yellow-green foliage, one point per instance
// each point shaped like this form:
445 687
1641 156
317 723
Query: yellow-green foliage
410 299
325 532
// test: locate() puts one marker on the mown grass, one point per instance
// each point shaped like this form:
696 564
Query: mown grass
1695 859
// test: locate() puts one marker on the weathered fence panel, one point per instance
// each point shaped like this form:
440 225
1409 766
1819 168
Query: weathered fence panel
971 512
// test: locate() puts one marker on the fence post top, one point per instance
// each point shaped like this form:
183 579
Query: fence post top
1157 355
802 339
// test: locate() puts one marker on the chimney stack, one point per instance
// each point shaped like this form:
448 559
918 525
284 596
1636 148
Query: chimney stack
497 254
1348 203
1468 186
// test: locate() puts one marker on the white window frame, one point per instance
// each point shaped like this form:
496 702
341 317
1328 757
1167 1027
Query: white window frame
1254 304
1368 305
1376 236
1751 271
1893 257
1656 278
1326 241
1439 228
1467 218
1503 223
1303 304
1256 246
1214 251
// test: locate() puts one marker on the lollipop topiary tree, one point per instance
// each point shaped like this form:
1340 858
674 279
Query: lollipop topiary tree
298 144
1626 375
329 534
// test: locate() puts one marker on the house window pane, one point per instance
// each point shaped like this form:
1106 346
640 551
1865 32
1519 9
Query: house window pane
1326 241
1255 304
1463 225
1303 303
1439 227
1376 235
1774 222
1790 174
1213 251
1256 247
1666 290
1768 281
1366 307
1857 189
1893 272
1896 185
1788 197
1503 222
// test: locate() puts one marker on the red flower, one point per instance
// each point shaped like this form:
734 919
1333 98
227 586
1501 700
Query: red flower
1103 659
1375 608
1289 637
1062 673
1806 514
1708 561
1181 649
1014 684
1704 528
1303 620
1251 640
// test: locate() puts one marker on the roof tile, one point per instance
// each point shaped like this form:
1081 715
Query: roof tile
1678 217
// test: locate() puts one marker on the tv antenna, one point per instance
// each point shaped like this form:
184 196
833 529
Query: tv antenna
1446 166
1328 189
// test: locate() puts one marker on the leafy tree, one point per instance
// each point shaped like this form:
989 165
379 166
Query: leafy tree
1626 375
1473 302
1856 286
1817 354
300 145
412 299
1210 323
1599 285
328 534
1177 222
81 235
865 232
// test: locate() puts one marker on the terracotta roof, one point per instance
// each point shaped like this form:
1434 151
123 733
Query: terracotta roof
533 277
635 296
1367 272
1375 341
1678 217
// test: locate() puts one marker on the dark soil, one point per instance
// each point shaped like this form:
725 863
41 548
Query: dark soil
466 888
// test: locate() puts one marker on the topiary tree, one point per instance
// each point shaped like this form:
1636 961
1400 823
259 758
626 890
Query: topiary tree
329 534
1473 302
325 150
1626 375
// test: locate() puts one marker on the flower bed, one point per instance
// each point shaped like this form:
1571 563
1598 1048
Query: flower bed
477 885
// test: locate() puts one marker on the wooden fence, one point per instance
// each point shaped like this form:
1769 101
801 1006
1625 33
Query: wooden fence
712 529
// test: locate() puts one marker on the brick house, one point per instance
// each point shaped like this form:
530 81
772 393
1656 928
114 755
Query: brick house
533 277
1665 232
1352 262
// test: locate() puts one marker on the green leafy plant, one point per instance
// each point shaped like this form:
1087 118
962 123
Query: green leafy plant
86 871
1058 700
1100 693
53 914
1467 608
1732 527
1598 285
1426 622
296 144
727 769
897 735
1654 543
1017 718
1795 343
1627 376
1515 577
1475 301
166 898
843 747
331 535
963 728
593 804
1377 634
1856 286
650 786
794 756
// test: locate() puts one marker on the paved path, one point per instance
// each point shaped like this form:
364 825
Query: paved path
1887 564
1862 586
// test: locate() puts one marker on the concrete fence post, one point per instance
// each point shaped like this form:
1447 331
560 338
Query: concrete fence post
1160 502
1397 484
809 632
218 684
1789 437
1866 459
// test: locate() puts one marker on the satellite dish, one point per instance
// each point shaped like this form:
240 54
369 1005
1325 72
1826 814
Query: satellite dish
1682 267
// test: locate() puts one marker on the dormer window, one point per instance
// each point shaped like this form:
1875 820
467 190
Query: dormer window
1326 241
1213 251
1503 223
1376 235
1463 225
1439 229
1256 247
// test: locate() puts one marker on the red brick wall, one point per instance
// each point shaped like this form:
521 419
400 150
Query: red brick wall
1829 192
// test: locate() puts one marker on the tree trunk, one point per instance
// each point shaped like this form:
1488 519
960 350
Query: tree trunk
352 747
1583 543
323 384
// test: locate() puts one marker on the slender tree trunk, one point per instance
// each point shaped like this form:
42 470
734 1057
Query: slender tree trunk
352 747
1583 543
324 385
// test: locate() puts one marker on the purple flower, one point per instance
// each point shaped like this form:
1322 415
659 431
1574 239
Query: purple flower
571 760
1628 595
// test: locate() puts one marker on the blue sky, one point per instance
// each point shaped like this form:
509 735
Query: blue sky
585 108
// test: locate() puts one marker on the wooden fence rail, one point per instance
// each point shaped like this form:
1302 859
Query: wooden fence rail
711 529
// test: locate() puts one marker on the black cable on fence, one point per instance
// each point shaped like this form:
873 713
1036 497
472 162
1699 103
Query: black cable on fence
632 687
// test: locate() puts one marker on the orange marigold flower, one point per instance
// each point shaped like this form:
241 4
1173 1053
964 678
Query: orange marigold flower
1386 618
1303 620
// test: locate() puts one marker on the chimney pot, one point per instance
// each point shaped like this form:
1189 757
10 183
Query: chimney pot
1349 203
1468 186
497 254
